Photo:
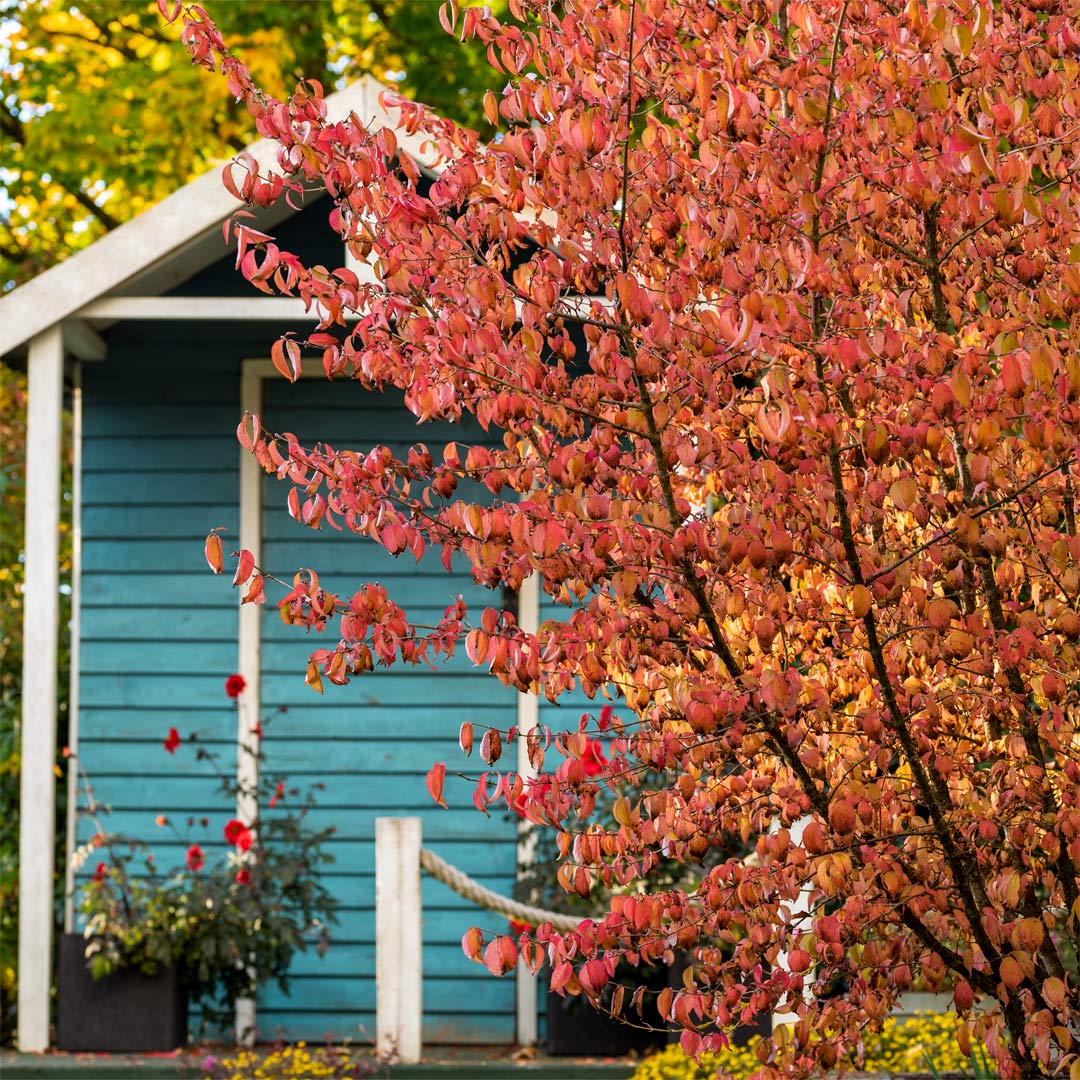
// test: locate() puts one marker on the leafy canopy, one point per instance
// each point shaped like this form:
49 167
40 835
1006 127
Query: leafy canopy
775 308
101 115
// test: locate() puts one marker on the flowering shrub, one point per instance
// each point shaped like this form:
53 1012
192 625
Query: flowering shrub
913 1045
204 915
289 1063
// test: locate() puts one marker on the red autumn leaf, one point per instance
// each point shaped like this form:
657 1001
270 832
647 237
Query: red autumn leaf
472 943
285 355
245 564
214 556
435 778
172 740
501 955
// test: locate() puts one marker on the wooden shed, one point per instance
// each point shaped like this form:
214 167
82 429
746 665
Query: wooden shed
160 347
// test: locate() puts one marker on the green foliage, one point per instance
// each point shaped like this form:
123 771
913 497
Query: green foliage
102 113
231 924
924 1042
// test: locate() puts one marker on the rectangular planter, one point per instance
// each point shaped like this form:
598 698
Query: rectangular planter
125 1012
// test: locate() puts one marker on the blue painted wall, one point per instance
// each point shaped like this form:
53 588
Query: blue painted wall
159 637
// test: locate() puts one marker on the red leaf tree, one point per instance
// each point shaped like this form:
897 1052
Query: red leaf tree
773 309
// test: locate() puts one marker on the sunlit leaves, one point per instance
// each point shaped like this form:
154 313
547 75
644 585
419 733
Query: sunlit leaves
764 361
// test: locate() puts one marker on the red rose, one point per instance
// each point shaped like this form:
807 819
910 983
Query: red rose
235 685
196 860
173 740
278 795
593 759
243 877
237 833
100 872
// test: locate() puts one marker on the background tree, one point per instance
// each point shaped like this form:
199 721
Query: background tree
776 308
101 115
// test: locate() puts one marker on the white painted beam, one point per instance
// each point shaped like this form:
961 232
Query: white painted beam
81 341
37 806
399 971
200 308
528 713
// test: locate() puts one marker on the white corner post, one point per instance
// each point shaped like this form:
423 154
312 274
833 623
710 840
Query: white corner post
249 662
37 803
75 647
528 716
399 972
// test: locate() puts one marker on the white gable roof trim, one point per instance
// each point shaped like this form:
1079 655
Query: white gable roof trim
188 220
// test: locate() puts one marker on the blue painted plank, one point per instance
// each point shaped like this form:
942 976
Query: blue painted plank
213 718
358 958
158 453
389 689
343 797
289 657
142 555
159 522
194 488
440 994
141 690
112 385
439 1029
215 419
161 657
354 757
154 591
451 835
137 623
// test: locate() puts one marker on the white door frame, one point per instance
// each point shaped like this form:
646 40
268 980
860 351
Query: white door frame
253 373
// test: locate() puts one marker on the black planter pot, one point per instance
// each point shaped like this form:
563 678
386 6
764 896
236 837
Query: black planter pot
125 1012
574 1027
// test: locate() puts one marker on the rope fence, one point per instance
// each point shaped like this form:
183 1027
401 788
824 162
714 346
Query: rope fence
483 897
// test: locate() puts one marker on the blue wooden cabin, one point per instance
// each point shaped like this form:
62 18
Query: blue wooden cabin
159 346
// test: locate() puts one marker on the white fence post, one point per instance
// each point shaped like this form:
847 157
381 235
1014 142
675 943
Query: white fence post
398 940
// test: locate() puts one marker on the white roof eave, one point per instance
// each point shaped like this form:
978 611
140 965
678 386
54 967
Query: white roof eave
180 230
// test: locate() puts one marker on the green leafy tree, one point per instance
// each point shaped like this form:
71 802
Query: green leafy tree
101 115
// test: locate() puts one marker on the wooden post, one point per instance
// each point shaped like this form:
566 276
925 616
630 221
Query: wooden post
37 805
528 712
249 659
398 940
75 648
